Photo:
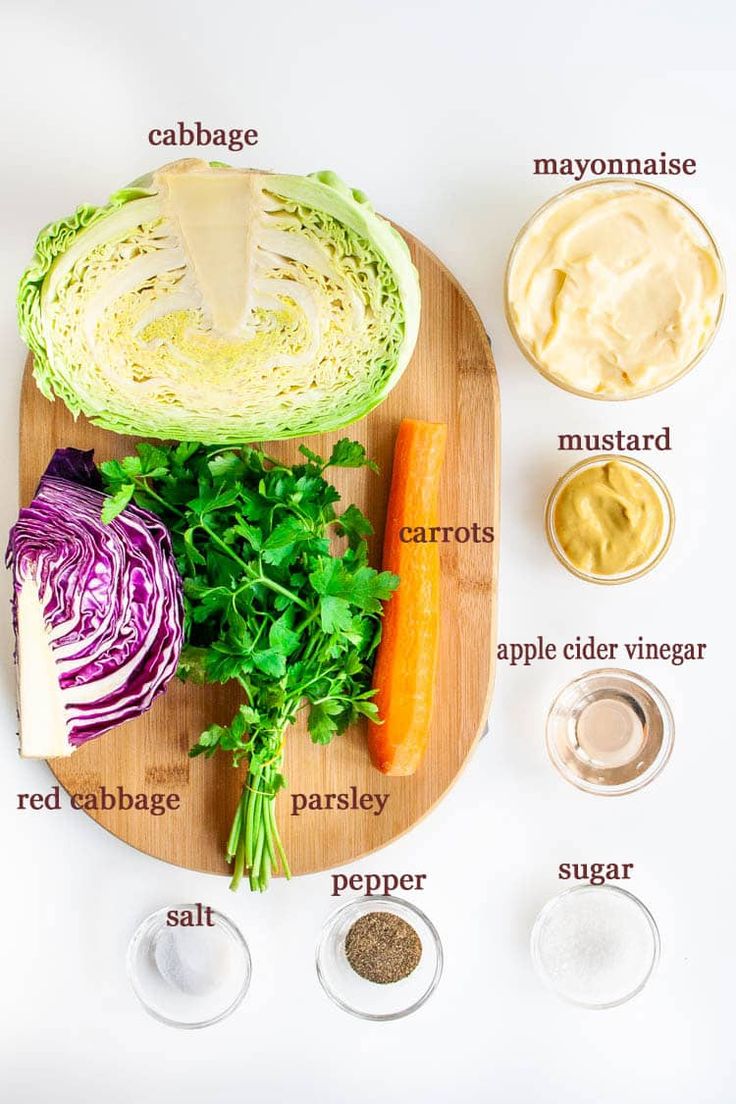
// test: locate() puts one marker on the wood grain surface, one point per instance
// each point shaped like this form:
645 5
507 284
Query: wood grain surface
452 379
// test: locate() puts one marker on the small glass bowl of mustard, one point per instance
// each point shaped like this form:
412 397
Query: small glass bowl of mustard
609 519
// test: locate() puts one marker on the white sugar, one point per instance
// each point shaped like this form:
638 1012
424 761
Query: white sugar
595 945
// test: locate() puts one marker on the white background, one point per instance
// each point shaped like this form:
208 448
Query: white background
436 110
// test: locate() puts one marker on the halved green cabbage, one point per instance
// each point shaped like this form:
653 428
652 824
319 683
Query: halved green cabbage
212 304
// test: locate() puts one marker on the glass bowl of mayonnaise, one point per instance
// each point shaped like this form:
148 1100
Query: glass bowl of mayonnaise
609 519
614 289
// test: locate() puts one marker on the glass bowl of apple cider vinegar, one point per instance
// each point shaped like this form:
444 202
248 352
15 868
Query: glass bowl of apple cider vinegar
610 732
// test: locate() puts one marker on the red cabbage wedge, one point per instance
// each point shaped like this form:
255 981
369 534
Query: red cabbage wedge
97 610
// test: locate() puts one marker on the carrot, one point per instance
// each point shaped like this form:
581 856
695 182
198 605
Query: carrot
406 661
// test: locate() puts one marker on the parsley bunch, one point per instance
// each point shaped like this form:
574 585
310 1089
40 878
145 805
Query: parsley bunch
268 601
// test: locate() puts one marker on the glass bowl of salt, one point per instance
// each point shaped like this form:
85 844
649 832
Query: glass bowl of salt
188 976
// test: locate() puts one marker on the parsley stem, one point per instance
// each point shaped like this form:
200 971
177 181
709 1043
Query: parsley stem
224 547
308 620
234 837
147 489
250 813
273 585
239 865
260 833
247 568
254 840
270 856
317 678
277 840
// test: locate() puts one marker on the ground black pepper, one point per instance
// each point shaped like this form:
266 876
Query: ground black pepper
382 947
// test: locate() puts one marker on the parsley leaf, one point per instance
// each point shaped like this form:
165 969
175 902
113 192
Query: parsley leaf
117 502
350 454
354 525
271 662
320 463
322 725
281 636
335 614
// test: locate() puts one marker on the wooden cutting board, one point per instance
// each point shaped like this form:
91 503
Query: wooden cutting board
451 379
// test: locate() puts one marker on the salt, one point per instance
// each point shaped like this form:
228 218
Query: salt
192 960
189 976
595 946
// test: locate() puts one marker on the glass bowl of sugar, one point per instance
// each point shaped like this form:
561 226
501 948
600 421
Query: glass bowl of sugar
595 946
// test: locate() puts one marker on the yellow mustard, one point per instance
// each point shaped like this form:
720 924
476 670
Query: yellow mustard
608 519
615 289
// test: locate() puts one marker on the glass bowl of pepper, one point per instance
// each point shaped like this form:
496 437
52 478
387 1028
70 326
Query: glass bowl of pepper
379 958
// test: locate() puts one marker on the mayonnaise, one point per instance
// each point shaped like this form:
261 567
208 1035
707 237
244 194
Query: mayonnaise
614 289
